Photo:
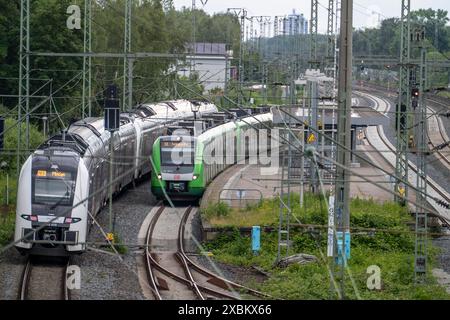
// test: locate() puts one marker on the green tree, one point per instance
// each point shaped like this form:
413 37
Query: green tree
10 142
435 22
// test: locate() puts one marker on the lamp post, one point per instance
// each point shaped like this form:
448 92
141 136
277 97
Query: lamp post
44 122
112 124
195 107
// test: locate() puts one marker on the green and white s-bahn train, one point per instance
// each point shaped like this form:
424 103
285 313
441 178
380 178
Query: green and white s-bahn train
184 164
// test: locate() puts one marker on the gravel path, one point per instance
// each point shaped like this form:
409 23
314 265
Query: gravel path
12 265
241 275
105 276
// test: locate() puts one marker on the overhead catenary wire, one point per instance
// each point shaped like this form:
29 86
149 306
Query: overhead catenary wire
317 131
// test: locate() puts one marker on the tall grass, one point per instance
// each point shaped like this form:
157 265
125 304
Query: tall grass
391 248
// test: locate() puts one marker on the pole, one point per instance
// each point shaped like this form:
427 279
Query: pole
44 121
111 174
420 253
322 132
193 38
404 104
27 129
24 73
342 209
265 82
127 61
87 61
302 162
130 83
313 36
330 48
241 57
225 88
314 103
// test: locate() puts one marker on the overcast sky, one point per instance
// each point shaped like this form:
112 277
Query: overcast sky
366 12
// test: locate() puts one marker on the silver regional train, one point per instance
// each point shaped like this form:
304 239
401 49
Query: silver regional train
52 215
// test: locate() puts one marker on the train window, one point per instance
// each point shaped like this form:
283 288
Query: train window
177 157
171 106
124 121
55 188
145 112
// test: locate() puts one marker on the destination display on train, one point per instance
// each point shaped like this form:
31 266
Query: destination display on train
176 144
54 174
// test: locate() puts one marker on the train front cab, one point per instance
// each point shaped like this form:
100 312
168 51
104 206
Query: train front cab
47 224
177 173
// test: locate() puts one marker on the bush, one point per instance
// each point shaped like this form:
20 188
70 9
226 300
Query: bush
219 209
391 248
6 228
10 143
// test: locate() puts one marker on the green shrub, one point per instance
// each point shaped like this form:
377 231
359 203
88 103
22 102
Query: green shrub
6 228
391 248
219 209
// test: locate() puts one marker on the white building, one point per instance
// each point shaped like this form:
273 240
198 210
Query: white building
211 62
295 23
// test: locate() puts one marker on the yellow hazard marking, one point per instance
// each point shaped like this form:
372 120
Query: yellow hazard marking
401 191
312 138
110 237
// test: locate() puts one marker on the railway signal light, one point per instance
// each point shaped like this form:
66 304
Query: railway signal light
415 93
112 110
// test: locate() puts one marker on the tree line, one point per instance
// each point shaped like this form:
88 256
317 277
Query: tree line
156 27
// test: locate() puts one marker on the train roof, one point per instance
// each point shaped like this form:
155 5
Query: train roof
250 120
80 133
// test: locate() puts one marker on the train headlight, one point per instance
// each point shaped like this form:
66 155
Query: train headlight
69 220
159 177
30 217
194 177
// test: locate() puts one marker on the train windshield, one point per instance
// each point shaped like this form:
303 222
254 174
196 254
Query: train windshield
53 188
177 156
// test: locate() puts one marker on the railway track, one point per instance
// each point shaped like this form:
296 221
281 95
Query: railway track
436 121
378 140
173 275
436 192
442 137
44 281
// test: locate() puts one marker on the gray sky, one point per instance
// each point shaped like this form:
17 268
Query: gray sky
366 12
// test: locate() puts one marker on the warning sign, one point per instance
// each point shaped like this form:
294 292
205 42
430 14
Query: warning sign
110 237
311 138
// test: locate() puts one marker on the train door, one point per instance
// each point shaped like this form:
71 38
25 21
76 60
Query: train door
122 169
98 186
130 161
92 198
